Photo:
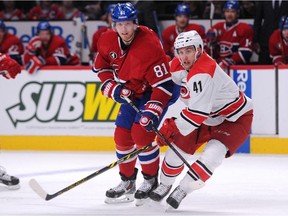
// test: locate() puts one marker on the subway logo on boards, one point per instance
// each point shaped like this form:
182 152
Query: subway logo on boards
62 102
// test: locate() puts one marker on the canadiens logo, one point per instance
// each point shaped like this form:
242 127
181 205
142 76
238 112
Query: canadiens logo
113 55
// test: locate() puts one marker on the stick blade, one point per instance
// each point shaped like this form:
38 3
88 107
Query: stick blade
38 189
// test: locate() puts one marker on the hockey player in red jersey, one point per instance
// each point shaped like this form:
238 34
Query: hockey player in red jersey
230 40
278 43
47 49
216 112
100 31
130 61
182 17
9 68
10 44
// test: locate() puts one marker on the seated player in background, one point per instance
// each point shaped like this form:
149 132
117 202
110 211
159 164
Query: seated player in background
100 31
278 43
230 41
10 44
47 49
182 17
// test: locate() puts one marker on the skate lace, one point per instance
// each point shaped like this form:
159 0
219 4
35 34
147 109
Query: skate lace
162 189
4 175
178 194
147 185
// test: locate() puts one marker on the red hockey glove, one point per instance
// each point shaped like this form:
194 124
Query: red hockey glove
168 130
117 92
151 114
9 67
33 65
33 45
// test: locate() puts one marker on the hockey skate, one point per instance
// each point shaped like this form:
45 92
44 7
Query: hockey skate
143 192
176 197
124 192
11 182
160 192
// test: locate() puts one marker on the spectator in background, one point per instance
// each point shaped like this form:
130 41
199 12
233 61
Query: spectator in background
145 14
47 49
10 12
182 17
217 10
247 10
93 10
10 44
69 10
266 20
278 43
196 8
233 37
46 11
99 32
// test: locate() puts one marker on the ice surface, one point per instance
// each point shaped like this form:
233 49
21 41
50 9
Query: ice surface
243 185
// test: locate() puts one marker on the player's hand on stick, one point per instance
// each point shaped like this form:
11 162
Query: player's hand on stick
117 92
151 114
9 67
168 130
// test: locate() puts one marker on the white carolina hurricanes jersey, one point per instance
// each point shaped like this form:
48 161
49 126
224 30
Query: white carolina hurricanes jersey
210 95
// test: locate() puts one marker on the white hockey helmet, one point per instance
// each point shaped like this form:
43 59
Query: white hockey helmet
190 38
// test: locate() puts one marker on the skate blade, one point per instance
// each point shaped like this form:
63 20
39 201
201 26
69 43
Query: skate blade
141 202
13 187
123 199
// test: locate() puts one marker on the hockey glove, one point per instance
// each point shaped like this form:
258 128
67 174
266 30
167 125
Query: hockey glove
33 45
9 66
151 114
168 130
33 65
117 92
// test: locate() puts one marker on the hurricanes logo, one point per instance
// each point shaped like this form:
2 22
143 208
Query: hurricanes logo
62 102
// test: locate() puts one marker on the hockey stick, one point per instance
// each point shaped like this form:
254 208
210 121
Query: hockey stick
44 195
161 135
157 25
212 9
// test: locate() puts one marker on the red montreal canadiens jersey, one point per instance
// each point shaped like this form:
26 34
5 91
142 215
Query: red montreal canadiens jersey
96 37
57 52
213 95
235 42
170 33
144 61
278 48
11 45
53 13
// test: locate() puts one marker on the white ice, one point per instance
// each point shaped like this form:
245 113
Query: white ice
243 185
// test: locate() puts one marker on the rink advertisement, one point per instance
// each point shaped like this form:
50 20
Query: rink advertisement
56 102
62 108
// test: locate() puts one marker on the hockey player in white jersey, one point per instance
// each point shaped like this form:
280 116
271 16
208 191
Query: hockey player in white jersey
216 112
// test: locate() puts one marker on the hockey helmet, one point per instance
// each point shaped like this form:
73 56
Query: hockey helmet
283 23
182 9
2 25
232 5
190 38
110 8
43 26
124 12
